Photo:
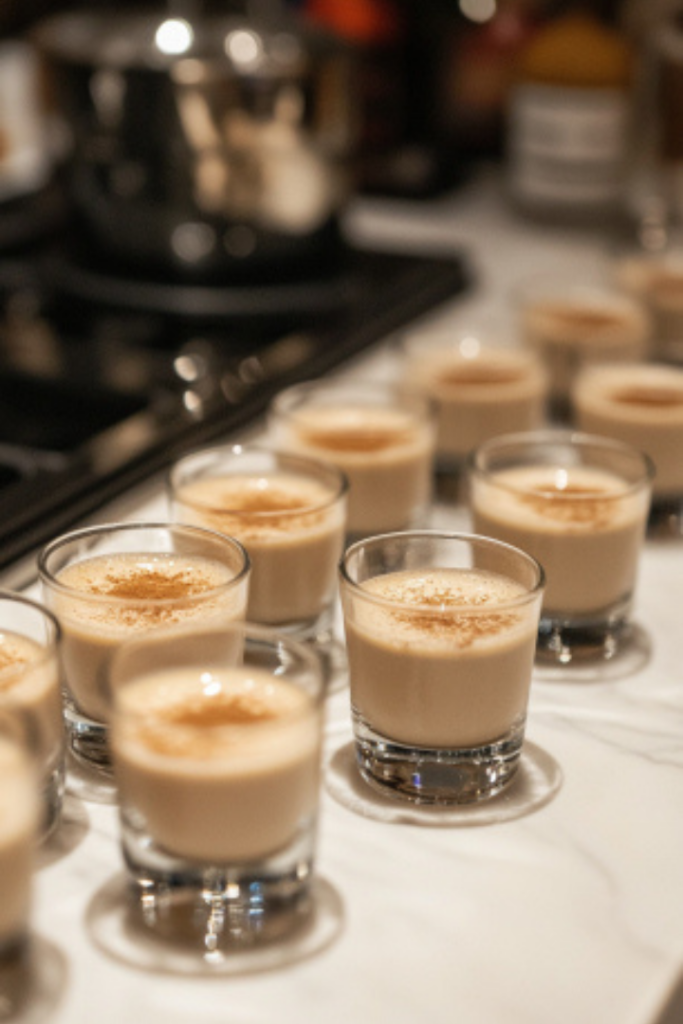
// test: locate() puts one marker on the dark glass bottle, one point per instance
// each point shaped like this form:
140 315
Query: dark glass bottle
569 114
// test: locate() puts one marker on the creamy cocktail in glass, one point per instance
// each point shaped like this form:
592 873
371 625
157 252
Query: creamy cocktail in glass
441 633
110 582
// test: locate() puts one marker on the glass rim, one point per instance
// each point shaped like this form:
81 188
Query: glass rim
475 540
652 370
556 286
74 536
571 439
251 631
49 649
304 462
359 392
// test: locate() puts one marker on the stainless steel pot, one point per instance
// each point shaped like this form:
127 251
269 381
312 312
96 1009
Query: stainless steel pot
205 148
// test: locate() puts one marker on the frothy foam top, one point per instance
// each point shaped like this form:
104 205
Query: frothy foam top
649 396
582 497
249 506
443 604
134 591
651 393
573 321
355 430
478 374
16 652
209 715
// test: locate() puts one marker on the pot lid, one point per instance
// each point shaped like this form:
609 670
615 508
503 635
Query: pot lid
157 41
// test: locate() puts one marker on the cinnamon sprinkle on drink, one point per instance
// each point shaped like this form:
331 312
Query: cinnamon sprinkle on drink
649 396
573 504
477 375
439 603
355 439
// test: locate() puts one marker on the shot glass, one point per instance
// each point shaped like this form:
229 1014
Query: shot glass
441 632
381 439
656 279
31 691
109 582
641 405
579 504
21 826
571 323
289 513
216 740
478 388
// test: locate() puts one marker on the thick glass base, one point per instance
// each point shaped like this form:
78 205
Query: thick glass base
665 518
566 640
435 776
320 634
88 740
216 909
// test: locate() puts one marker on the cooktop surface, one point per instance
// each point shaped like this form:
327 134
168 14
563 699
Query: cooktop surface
105 380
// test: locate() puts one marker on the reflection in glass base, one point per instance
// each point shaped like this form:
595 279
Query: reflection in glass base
87 739
119 924
537 780
631 656
319 633
435 775
666 518
565 640
218 908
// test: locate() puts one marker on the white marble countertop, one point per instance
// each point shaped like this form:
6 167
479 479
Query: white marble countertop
559 902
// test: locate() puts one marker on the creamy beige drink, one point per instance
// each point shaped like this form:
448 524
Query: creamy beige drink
440 657
29 683
19 823
386 453
477 394
572 327
220 765
584 524
105 599
292 526
658 282
642 406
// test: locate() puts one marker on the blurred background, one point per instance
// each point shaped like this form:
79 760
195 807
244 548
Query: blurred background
436 77
175 179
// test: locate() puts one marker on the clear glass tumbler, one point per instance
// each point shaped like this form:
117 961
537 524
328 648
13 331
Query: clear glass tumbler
289 513
31 691
381 438
110 582
216 740
441 632
579 504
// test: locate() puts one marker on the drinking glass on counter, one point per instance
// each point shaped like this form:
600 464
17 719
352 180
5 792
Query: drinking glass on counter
579 504
216 740
478 388
290 514
381 439
655 278
21 825
30 691
641 405
109 582
441 631
572 323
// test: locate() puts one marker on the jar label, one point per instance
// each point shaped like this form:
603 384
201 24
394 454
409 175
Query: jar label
567 146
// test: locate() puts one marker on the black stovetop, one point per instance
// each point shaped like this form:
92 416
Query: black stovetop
104 381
